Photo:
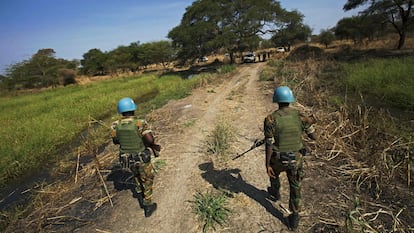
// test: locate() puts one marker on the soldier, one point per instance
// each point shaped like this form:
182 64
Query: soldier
136 145
284 149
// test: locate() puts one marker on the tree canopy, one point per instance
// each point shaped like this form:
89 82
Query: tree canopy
399 13
41 70
127 58
359 28
326 37
208 26
291 30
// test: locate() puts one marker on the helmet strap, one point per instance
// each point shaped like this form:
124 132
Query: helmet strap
130 113
283 105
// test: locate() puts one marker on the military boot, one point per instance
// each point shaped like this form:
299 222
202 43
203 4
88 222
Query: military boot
273 193
140 197
293 221
149 209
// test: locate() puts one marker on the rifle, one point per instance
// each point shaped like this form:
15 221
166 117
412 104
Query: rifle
256 143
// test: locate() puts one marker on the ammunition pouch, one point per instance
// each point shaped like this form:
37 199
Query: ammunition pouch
128 160
132 160
146 155
287 158
303 151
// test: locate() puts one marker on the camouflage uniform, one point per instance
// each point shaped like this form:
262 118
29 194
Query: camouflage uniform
293 167
143 168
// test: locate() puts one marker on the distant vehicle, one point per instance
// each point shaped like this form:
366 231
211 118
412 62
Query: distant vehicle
249 58
203 59
280 50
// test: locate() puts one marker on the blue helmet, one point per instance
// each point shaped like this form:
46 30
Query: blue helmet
283 94
126 105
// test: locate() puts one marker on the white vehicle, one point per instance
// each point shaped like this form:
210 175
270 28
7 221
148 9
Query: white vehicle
280 50
249 58
203 59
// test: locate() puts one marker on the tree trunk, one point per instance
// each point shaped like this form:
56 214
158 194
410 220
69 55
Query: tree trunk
401 41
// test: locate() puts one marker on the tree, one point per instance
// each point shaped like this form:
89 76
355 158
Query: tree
6 83
162 52
326 37
42 70
358 28
399 13
93 62
119 59
233 26
291 31
200 24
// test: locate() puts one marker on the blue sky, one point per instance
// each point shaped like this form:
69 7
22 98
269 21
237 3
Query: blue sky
72 27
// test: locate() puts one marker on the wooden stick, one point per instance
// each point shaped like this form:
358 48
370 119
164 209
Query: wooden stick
77 167
106 189
102 231
408 170
93 120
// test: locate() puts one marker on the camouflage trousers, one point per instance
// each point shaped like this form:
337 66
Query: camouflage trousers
144 177
295 174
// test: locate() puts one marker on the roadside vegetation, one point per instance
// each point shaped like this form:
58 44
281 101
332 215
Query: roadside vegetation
363 141
220 139
81 134
211 209
387 80
41 127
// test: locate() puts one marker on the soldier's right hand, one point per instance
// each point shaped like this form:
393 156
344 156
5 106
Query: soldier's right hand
156 153
270 172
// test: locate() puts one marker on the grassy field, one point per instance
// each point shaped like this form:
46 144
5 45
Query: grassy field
37 127
388 80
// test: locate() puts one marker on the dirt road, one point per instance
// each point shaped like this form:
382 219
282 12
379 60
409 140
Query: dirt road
240 101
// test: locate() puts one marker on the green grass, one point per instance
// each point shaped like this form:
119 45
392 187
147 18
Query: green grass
227 69
39 127
219 140
389 80
211 209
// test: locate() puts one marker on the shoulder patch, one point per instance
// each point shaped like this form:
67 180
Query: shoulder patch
270 118
139 123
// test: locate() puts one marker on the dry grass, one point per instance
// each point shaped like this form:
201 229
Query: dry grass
52 208
357 151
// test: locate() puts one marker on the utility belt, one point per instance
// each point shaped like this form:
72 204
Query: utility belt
130 160
288 158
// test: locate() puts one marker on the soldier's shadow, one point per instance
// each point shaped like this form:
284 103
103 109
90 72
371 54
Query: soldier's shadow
123 179
224 179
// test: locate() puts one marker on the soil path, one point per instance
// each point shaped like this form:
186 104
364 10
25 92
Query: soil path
183 131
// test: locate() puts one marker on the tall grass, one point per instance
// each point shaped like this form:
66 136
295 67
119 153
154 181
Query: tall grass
37 127
390 80
220 138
